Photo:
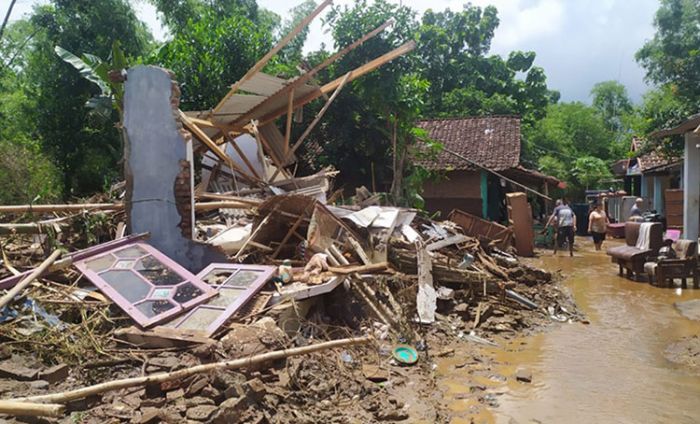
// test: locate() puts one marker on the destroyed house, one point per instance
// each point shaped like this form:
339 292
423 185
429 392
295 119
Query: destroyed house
492 146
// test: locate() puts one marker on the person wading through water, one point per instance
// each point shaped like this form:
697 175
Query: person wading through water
597 225
565 220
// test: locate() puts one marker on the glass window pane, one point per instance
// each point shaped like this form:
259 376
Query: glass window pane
187 292
130 252
200 319
156 272
217 276
161 293
123 264
151 308
127 284
100 264
242 279
225 297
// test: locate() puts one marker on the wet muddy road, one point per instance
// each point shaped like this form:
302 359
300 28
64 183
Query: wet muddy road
610 371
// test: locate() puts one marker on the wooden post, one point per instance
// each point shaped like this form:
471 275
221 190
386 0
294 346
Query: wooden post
26 409
199 369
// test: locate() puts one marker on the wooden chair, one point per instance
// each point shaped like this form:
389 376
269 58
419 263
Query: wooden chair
663 272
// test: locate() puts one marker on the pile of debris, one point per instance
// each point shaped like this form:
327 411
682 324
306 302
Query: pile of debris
304 273
170 301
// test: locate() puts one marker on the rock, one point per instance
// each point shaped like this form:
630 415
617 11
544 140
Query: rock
229 411
210 392
175 394
39 385
375 373
222 379
16 371
55 374
197 401
167 362
155 402
201 412
461 307
197 386
170 417
523 375
394 415
255 389
149 415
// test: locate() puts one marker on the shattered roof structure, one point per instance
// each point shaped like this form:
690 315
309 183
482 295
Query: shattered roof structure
491 141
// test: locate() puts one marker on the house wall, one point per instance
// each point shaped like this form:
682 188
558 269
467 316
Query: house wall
458 190
691 186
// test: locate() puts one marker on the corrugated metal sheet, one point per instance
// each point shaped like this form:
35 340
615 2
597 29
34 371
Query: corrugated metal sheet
275 139
263 84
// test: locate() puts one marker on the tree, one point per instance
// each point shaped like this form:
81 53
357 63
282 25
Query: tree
213 45
369 131
27 173
465 81
570 130
87 150
590 171
672 56
612 102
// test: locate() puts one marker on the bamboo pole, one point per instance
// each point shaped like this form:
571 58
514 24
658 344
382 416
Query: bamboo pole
26 409
199 206
14 291
184 373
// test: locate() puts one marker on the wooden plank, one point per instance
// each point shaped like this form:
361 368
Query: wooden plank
288 127
456 239
308 76
283 42
354 74
211 145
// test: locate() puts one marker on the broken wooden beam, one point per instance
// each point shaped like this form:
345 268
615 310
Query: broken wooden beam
361 269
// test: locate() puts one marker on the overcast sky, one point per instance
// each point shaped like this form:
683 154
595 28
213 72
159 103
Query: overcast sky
578 42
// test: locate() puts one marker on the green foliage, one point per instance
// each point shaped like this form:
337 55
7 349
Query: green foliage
672 56
590 171
465 81
86 149
212 49
611 100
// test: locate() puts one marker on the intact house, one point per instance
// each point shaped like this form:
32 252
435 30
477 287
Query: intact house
648 174
493 142
690 175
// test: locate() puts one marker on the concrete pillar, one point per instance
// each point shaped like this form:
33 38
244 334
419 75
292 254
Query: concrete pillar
691 186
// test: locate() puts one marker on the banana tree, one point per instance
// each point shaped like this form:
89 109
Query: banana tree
106 74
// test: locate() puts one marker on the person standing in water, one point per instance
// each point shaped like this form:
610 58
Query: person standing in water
597 225
565 221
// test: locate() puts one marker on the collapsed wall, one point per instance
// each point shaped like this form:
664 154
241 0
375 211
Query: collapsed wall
158 167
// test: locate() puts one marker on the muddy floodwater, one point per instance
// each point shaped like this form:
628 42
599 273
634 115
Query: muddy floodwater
610 371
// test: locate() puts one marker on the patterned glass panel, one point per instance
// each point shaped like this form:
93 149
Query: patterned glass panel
226 297
200 319
132 252
157 272
186 292
242 279
151 308
100 264
127 284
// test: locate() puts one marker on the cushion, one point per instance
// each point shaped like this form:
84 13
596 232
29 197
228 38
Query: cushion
626 252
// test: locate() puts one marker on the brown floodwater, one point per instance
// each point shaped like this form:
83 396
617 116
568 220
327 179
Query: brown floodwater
609 371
